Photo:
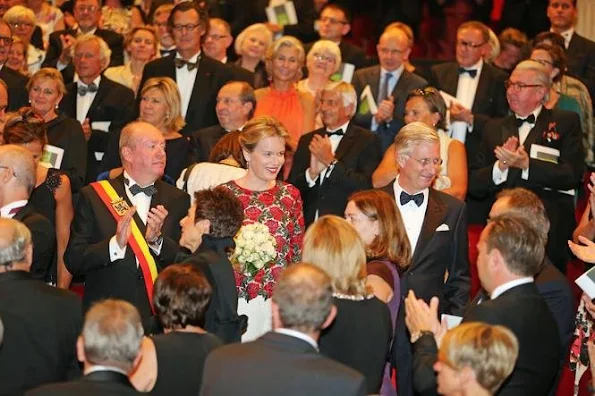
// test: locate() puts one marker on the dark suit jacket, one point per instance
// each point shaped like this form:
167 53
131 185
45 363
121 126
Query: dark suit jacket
211 76
41 325
406 83
581 60
114 103
297 368
97 383
565 175
358 154
17 88
205 139
43 236
87 253
67 133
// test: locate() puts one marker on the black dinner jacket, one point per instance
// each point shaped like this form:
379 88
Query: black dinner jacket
358 154
97 383
205 139
581 60
41 326
43 235
406 83
298 370
87 253
17 88
211 76
113 102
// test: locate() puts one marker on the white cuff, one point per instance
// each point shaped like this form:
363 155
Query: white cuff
525 174
115 252
499 176
311 182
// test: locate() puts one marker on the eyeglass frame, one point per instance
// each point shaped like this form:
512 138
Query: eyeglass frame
189 27
216 37
466 44
427 161
518 87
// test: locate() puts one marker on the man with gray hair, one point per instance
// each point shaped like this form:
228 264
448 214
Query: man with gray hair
302 307
535 148
335 161
110 349
41 322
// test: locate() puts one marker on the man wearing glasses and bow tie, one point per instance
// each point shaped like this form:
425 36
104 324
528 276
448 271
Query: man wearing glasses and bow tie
337 160
120 225
535 148
199 77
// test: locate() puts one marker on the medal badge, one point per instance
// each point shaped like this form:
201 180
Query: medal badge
120 206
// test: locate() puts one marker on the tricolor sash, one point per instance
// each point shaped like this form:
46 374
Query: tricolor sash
118 207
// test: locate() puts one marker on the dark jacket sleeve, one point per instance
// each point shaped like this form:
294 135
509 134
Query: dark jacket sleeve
425 354
456 287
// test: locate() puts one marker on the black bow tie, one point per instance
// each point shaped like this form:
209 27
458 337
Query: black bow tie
83 89
472 72
530 120
180 63
417 198
149 190
338 132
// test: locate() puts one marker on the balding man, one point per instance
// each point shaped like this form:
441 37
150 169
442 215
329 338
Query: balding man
119 225
390 84
218 39
41 322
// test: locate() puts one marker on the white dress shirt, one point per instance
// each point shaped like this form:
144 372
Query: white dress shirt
509 285
412 215
466 90
185 79
83 103
298 334
5 210
567 35
396 74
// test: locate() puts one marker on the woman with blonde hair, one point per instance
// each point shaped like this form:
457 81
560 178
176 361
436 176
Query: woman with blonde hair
22 21
361 334
250 46
17 57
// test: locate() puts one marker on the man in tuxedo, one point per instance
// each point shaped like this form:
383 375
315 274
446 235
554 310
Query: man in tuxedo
109 347
15 82
102 249
88 15
235 106
41 322
535 148
302 306
390 84
579 50
199 77
101 105
511 251
337 160
436 225
167 45
17 179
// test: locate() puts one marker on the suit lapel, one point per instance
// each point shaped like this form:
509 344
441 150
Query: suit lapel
434 215
451 79
346 143
374 81
68 103
538 128
102 91
483 86
203 76
509 129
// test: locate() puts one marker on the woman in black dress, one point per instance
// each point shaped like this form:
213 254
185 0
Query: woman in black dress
173 363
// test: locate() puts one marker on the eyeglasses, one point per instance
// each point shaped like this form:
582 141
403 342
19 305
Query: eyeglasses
428 161
9 168
543 62
518 87
320 57
388 51
467 44
332 21
188 27
83 8
6 40
17 25
215 37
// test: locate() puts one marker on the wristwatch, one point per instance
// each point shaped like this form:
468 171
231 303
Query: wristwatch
157 241
418 334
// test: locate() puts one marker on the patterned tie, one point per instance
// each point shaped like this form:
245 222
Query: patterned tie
417 198
148 190
83 89
180 63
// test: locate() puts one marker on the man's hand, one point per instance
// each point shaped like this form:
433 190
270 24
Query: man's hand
585 252
67 42
385 110
421 316
458 112
123 228
87 129
320 146
316 167
155 219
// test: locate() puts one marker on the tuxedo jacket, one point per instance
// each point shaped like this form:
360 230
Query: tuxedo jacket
358 155
210 77
43 236
41 326
581 60
17 88
406 83
205 139
277 364
97 383
93 226
113 103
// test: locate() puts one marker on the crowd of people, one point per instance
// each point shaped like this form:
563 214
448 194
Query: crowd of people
246 207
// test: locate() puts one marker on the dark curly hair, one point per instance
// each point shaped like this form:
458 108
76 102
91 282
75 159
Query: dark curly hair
222 208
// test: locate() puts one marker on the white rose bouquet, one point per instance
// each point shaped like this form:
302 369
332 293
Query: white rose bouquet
255 248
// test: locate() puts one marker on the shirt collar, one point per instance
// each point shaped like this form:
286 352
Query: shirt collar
343 127
98 367
396 73
535 112
298 334
478 66
5 210
193 59
567 35
399 189
132 182
92 31
509 285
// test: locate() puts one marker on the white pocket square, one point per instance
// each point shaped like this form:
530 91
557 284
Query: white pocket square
443 227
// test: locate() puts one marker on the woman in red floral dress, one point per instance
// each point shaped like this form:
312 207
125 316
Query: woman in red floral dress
271 202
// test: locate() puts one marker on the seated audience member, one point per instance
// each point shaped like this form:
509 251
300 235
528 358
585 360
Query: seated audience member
334 246
173 363
101 246
19 169
375 217
427 106
141 46
218 39
306 28
51 195
225 164
64 134
14 82
475 359
333 162
302 307
511 251
405 29
49 17
250 47
41 323
494 47
17 57
513 44
167 45
389 84
109 348
23 22
235 106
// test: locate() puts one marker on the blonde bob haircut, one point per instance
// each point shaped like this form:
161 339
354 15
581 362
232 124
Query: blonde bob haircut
285 42
326 47
18 13
48 73
168 88
255 28
490 351
260 128
334 246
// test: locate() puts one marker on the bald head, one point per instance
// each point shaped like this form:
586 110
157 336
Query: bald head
17 173
393 49
15 245
142 150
